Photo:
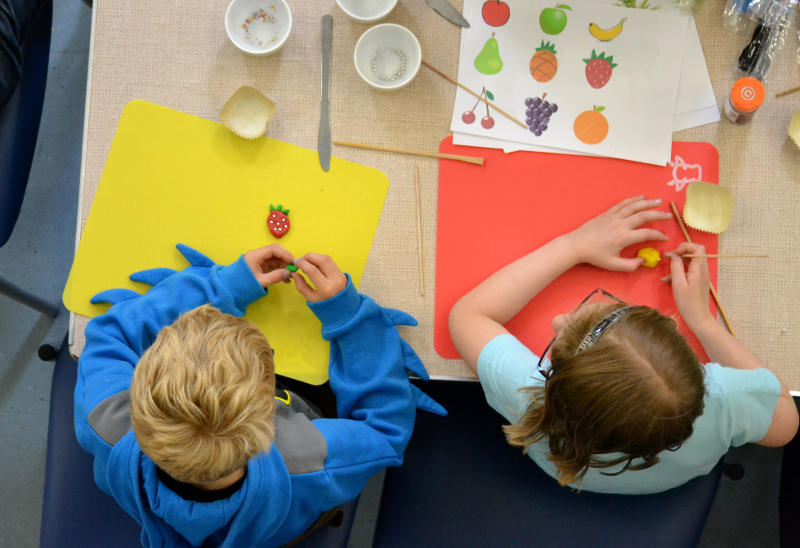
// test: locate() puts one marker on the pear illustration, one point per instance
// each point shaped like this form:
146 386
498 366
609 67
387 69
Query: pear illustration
488 60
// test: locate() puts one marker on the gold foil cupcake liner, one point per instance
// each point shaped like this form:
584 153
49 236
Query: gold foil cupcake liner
794 128
708 207
247 112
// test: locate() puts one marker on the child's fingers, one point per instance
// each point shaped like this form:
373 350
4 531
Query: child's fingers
645 235
273 277
324 263
698 268
638 205
275 263
620 264
677 273
302 286
625 202
273 251
647 216
667 279
310 269
690 247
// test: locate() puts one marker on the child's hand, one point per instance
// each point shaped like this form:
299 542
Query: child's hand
268 264
690 287
600 240
328 280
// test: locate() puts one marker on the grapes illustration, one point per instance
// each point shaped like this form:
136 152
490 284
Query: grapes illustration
538 113
469 116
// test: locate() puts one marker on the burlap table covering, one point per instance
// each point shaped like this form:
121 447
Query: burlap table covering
178 55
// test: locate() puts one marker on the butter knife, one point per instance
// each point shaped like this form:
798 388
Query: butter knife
447 11
324 134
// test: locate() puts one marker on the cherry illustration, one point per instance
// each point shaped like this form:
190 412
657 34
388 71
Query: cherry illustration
469 116
487 121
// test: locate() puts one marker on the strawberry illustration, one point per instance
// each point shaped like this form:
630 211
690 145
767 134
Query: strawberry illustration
278 221
599 69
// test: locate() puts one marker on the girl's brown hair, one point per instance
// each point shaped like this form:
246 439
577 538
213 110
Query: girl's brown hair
636 391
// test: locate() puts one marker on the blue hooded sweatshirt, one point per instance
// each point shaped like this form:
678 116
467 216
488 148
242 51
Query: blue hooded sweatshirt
312 466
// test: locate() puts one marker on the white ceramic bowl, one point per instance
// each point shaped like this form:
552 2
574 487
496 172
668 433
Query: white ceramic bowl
367 11
387 56
258 27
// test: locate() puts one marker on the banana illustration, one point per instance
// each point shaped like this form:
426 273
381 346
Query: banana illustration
604 35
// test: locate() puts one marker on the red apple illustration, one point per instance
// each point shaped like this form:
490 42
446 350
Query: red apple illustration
495 13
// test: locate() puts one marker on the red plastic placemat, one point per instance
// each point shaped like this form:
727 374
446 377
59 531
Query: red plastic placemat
492 214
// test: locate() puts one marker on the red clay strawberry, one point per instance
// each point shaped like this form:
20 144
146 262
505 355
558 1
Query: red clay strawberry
599 69
278 221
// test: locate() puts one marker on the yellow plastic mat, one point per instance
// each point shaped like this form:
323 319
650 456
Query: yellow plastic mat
175 178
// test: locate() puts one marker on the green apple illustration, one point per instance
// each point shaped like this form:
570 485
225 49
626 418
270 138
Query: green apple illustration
488 60
554 20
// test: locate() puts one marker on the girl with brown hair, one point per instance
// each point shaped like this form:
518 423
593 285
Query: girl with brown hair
618 402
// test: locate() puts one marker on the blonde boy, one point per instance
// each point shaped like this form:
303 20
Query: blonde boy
176 401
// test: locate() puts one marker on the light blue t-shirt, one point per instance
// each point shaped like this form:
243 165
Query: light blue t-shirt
738 409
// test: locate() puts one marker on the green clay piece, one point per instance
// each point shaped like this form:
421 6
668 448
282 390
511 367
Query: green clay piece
291 267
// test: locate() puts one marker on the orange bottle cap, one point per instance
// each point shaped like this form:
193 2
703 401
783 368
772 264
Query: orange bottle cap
747 94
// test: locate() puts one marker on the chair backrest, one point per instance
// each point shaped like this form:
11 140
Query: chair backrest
74 511
19 120
789 500
462 485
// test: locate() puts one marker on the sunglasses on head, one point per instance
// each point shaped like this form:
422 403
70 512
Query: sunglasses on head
595 332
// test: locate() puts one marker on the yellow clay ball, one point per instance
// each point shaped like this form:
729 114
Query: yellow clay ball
651 256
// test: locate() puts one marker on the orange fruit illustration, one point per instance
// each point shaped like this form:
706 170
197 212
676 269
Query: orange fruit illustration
544 64
590 126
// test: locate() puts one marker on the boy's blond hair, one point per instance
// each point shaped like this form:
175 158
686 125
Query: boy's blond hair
202 396
636 391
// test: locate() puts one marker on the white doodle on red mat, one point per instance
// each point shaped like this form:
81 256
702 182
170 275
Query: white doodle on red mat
683 173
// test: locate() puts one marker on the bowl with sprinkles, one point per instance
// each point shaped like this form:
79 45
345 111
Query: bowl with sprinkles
387 56
258 27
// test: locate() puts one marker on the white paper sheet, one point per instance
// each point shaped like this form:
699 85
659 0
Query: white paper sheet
696 103
639 99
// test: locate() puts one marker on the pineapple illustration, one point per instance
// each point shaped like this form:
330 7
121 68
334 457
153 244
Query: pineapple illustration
544 64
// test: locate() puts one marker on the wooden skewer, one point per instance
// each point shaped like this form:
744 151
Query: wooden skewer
419 232
477 160
465 88
719 256
677 216
781 94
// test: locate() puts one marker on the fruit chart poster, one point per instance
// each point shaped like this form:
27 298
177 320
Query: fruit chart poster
579 76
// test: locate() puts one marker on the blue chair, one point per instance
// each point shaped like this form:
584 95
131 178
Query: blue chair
789 500
462 485
76 513
19 128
